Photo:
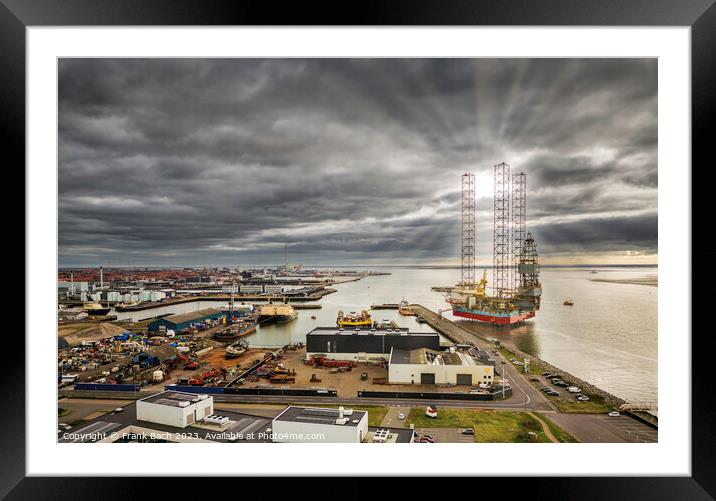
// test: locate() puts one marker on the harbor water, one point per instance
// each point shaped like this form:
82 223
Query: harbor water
608 337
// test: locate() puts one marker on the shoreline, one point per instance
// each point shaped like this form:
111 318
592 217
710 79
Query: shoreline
566 376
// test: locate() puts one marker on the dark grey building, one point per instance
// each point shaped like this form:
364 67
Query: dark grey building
365 344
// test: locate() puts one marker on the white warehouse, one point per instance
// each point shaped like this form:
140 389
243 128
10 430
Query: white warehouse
425 366
175 408
323 425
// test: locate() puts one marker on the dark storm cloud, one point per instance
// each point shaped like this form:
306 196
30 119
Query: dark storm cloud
223 161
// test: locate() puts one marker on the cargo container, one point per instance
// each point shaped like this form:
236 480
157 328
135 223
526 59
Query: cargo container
106 387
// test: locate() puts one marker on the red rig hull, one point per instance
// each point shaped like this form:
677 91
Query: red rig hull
493 318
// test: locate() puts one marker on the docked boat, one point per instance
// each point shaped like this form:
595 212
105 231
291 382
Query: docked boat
404 309
354 319
386 324
283 313
283 319
95 309
236 330
236 349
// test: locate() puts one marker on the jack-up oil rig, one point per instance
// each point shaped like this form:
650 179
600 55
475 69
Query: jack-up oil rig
516 288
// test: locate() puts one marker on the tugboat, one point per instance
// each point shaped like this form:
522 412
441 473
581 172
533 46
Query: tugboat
353 319
404 309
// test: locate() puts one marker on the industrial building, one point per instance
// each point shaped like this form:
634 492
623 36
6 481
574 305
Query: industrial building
174 408
425 366
181 322
314 424
366 344
174 416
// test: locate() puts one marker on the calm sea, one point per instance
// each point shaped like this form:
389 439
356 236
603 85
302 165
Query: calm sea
608 338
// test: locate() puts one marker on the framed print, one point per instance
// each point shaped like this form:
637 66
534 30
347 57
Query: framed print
258 240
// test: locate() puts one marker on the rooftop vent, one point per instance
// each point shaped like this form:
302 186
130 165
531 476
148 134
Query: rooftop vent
183 403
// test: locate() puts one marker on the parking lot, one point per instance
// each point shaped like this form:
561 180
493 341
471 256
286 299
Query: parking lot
636 431
446 435
544 382
600 428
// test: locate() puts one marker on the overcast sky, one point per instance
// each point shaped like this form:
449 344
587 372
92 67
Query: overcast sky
350 161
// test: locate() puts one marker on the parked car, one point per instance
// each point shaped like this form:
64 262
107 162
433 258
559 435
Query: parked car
468 431
573 389
401 416
553 393
583 398
614 414
535 379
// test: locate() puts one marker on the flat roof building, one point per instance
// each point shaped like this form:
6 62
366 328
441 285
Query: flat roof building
163 418
183 321
174 408
365 344
316 424
426 366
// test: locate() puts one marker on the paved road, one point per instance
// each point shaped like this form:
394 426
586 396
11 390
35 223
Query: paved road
602 428
86 408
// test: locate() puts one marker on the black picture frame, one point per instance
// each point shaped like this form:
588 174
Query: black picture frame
17 15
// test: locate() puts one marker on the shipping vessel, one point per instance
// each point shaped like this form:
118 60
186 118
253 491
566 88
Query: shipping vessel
281 314
404 309
516 290
354 319
95 309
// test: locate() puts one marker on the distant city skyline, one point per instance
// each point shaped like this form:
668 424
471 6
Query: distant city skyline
221 162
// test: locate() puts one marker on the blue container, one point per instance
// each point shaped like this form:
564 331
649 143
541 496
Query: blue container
106 387
196 389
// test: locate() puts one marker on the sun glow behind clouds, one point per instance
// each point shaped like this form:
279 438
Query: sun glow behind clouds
351 161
